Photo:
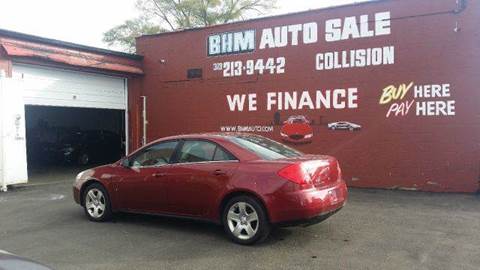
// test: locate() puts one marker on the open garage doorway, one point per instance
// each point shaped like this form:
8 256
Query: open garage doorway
62 141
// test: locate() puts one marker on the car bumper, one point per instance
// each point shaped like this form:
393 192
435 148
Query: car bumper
309 206
309 221
76 194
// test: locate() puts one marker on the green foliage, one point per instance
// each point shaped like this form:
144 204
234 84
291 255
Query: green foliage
170 15
123 36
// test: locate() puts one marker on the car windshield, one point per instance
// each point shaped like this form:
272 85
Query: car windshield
265 148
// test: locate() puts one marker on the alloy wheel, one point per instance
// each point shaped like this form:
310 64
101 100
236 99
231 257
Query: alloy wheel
95 203
243 220
84 159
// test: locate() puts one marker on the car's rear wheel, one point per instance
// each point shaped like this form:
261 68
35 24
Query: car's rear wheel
97 203
83 159
245 220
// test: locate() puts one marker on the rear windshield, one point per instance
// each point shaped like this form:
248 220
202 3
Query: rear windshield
265 148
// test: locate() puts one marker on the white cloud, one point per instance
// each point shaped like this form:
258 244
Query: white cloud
75 21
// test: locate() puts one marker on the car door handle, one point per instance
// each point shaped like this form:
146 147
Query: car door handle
158 175
219 172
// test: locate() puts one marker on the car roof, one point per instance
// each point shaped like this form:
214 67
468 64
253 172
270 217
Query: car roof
208 135
218 137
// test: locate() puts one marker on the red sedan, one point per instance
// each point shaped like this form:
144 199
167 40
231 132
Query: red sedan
245 182
297 129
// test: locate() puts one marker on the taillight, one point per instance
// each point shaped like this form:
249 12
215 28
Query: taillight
294 173
314 172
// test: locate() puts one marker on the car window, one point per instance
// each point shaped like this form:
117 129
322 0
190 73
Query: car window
202 151
265 148
196 151
222 155
155 155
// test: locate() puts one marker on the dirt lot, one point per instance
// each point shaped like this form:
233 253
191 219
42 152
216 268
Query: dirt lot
376 230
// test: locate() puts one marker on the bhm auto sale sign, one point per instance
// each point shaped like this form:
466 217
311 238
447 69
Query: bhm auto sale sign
422 99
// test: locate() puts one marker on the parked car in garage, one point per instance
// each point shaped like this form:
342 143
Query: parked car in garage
74 146
246 182
344 126
87 147
9 261
297 129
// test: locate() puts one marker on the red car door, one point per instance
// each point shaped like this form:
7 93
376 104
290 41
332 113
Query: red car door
143 189
202 171
142 185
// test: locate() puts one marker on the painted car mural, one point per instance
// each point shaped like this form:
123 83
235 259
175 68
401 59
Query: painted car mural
344 126
297 129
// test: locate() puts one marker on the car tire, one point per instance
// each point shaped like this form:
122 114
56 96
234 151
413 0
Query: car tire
96 203
245 220
83 159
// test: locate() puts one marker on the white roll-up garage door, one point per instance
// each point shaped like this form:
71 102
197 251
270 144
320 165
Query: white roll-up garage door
55 87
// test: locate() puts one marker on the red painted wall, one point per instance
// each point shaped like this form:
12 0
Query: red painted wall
433 45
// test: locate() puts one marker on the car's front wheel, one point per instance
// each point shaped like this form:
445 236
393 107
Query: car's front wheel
83 159
245 220
97 203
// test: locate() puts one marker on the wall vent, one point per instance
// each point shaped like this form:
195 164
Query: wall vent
195 73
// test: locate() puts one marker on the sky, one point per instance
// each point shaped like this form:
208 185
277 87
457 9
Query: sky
85 21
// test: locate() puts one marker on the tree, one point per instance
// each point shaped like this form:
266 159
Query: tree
123 36
170 15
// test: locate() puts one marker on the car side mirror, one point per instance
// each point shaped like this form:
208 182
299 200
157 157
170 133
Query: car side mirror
125 163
